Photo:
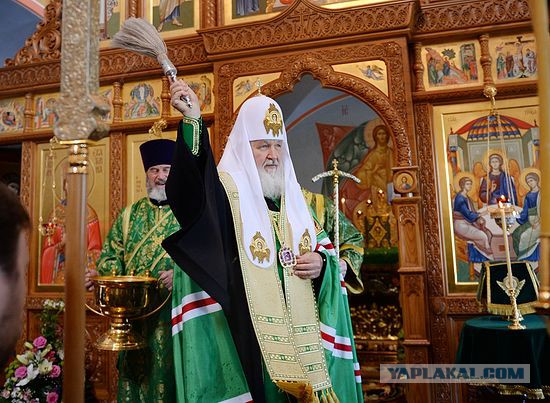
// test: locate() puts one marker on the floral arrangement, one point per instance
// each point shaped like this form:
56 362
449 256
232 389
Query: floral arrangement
35 375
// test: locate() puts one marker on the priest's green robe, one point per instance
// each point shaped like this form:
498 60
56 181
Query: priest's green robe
134 244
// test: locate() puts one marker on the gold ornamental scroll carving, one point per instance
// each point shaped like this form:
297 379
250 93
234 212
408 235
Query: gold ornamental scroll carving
80 112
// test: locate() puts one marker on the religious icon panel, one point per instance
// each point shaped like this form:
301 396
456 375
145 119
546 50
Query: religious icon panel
203 85
141 100
12 115
44 111
111 16
514 57
451 65
485 159
51 204
173 17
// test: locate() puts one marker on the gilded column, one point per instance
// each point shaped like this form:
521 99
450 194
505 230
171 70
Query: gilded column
133 9
117 102
80 112
485 60
418 67
209 13
165 98
29 113
539 15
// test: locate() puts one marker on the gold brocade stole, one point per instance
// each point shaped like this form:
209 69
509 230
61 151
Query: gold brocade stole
286 320
149 248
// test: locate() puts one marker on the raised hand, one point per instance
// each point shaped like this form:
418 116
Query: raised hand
179 90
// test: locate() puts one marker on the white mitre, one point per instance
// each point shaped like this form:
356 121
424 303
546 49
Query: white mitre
260 118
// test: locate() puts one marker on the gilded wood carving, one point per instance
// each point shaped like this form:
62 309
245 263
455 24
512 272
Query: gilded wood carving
303 21
437 17
485 59
209 14
45 43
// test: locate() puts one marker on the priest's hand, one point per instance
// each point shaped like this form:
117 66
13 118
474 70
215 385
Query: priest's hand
343 267
167 278
87 279
308 265
178 91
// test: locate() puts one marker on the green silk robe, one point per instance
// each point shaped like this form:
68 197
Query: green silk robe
134 243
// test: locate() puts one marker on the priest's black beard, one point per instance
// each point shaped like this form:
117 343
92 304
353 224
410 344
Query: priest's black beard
272 183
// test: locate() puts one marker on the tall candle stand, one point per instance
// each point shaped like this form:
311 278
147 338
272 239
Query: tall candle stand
502 213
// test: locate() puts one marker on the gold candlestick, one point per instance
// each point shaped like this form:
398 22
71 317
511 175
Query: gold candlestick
511 283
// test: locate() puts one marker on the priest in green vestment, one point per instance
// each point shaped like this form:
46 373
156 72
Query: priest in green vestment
134 245
260 311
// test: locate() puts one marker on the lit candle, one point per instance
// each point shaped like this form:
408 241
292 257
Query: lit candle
502 206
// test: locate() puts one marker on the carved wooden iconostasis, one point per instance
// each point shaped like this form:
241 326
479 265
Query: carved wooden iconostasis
365 82
448 104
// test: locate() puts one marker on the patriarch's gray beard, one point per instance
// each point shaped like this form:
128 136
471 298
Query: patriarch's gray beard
272 183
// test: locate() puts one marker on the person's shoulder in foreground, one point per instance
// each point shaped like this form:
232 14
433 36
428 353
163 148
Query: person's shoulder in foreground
14 258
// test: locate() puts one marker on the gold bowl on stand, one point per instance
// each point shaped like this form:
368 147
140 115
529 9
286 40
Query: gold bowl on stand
122 299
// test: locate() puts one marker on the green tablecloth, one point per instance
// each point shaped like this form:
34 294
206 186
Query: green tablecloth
487 340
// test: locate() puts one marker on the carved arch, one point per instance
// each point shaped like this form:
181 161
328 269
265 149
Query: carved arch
361 89
329 78
45 43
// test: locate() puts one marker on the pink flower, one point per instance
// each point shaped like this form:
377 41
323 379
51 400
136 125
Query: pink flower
56 371
40 342
21 372
51 355
52 397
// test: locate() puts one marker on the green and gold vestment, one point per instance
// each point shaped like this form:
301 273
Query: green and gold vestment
217 351
134 243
